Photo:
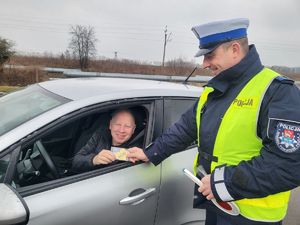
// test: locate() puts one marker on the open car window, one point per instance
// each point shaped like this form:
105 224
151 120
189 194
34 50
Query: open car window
50 156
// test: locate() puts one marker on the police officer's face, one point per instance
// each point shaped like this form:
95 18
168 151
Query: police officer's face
122 127
222 58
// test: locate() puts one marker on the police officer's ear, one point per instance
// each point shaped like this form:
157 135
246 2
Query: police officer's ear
236 48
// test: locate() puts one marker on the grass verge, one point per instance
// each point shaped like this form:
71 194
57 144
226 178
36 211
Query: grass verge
8 88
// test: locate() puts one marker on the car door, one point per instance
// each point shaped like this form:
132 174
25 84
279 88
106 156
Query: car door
119 194
177 191
98 199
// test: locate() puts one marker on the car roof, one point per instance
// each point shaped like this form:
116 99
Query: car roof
81 88
89 91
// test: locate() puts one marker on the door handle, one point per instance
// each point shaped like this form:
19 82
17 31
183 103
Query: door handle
138 198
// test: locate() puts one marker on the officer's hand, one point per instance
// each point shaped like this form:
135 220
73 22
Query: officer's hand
135 154
104 157
205 188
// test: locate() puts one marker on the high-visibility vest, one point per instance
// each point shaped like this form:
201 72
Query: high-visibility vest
237 140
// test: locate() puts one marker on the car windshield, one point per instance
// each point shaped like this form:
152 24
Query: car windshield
23 105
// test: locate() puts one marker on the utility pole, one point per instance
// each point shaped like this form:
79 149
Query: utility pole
167 39
116 55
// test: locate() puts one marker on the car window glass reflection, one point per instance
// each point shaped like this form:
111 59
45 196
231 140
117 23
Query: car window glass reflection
21 106
3 166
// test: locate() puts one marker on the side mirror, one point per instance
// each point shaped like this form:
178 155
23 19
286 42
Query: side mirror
12 207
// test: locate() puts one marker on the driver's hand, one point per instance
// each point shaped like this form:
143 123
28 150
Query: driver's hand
104 157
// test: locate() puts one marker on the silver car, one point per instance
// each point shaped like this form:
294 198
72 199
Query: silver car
44 125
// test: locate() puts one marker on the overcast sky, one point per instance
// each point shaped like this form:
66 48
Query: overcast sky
135 28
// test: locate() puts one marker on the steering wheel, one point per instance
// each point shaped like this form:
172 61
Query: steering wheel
46 157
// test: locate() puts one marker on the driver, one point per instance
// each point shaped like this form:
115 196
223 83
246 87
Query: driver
97 151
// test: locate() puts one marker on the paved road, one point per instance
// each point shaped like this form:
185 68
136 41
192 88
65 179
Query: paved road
293 215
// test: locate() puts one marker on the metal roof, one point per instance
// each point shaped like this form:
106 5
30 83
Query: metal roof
81 88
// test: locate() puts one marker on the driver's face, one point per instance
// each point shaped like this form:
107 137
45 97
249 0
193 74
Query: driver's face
122 127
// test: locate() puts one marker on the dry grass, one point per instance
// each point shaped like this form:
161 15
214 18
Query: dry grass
8 88
33 74
174 67
293 76
21 77
43 61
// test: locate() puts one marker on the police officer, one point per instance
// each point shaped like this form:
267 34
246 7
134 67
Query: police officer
247 123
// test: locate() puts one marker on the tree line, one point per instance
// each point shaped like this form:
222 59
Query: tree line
82 46
6 51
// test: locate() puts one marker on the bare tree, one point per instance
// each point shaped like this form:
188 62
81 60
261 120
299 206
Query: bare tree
83 44
5 51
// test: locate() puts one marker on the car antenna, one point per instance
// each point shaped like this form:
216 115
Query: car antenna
186 80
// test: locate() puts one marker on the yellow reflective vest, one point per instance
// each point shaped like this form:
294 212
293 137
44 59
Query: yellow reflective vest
240 121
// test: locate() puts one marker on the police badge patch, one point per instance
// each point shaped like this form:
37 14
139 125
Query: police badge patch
287 137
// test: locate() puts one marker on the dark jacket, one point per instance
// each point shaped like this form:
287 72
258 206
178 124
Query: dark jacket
101 139
274 170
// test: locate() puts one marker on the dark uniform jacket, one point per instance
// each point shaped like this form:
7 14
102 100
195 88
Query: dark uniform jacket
277 168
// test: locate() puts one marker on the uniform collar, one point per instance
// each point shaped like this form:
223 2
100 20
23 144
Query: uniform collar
248 67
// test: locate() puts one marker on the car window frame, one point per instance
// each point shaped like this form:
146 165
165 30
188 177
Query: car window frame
194 144
11 168
36 135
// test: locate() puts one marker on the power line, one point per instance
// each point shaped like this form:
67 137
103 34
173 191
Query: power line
105 25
